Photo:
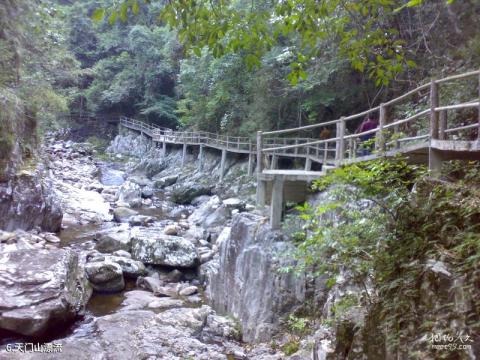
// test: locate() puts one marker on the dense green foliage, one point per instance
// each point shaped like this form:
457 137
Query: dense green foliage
36 74
380 224
235 68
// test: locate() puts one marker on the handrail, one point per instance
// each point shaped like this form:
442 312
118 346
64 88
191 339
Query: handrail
345 143
366 112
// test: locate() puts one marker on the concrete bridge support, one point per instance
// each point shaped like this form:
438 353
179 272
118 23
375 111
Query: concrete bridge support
164 148
435 160
250 165
222 164
201 157
184 154
276 206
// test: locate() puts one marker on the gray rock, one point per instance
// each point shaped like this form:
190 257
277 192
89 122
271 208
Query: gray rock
143 334
170 230
185 194
129 193
105 276
40 290
152 247
123 214
141 220
27 200
149 283
130 268
173 276
165 181
139 300
147 192
247 262
122 253
114 241
189 290
234 203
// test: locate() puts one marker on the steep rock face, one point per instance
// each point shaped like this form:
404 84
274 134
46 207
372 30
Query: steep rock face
40 289
130 144
26 201
245 282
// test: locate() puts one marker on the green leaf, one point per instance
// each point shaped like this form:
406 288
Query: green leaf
98 14
135 8
123 12
113 17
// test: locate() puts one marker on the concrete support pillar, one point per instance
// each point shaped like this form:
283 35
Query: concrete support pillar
276 206
164 146
435 160
184 154
222 164
250 164
201 157
308 164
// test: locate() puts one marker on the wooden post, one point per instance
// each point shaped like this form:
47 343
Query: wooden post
259 153
434 102
184 153
222 164
340 151
443 125
380 143
201 156
276 205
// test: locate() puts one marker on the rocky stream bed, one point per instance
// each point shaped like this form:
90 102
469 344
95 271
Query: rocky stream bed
125 277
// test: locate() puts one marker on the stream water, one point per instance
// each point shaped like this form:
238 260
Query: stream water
81 238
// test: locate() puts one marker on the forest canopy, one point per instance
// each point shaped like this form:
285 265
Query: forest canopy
237 66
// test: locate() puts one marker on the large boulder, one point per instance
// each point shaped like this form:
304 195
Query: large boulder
114 241
249 255
150 246
185 194
105 276
40 290
27 200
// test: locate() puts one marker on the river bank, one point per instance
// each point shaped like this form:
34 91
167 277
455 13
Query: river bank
123 277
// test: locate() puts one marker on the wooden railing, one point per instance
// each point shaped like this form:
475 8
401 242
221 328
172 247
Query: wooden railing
424 125
388 135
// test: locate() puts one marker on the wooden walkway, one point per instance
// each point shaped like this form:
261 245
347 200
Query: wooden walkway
426 136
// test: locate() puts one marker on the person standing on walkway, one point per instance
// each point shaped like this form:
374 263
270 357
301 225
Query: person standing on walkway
369 123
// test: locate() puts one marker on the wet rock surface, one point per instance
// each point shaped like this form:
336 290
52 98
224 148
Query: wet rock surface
40 289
